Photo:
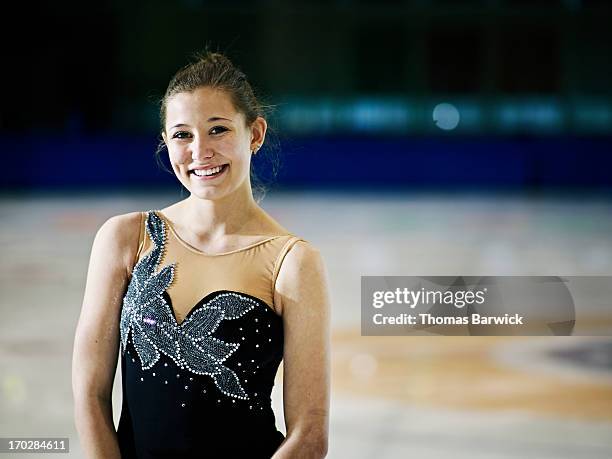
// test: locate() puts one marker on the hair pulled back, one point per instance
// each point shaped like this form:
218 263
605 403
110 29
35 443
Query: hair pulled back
215 70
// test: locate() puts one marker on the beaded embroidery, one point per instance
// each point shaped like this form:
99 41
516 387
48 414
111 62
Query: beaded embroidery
155 331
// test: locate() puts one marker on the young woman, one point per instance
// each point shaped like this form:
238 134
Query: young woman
202 300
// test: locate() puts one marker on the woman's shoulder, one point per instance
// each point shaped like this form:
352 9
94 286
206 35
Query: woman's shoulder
120 235
301 258
303 252
301 276
298 245
123 225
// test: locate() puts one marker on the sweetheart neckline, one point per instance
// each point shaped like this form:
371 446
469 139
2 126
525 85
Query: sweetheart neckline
206 299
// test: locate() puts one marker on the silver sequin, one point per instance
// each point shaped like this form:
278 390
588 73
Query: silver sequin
155 331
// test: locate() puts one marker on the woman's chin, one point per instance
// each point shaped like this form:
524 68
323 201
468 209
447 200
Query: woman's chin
210 193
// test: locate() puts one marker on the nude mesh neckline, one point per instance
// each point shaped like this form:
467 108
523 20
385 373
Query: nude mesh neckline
200 252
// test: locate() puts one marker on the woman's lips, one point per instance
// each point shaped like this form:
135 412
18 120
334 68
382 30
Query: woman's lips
210 177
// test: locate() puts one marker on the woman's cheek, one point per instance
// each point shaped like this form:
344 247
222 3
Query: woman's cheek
179 157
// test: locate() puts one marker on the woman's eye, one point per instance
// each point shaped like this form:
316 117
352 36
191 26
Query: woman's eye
180 135
219 128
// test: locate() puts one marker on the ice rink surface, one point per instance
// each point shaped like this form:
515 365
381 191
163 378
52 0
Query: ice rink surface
392 397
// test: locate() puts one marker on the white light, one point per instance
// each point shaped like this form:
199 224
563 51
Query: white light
446 116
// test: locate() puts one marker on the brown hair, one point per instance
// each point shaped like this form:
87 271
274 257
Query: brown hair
215 70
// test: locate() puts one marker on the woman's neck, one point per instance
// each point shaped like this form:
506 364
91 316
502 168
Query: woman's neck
212 219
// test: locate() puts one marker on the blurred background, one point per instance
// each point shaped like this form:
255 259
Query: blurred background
415 137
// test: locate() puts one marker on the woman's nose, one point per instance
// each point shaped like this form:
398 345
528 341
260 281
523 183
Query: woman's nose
199 150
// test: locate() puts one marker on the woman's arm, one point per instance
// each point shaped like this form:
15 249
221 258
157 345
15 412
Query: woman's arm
301 294
96 341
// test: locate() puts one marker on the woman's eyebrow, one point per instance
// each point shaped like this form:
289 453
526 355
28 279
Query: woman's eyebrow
211 119
215 118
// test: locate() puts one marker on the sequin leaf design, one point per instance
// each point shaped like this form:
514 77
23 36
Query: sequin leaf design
144 294
154 329
198 328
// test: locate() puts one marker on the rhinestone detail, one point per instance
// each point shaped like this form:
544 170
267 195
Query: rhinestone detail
155 331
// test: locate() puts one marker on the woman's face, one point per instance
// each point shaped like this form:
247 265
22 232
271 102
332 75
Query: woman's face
208 143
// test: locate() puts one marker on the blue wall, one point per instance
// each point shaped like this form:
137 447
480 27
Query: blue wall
344 162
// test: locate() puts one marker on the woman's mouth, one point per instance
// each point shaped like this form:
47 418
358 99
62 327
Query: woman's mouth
208 174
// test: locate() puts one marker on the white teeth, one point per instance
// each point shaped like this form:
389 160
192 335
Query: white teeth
202 172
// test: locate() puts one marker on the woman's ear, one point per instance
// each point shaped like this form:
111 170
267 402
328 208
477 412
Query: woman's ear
258 132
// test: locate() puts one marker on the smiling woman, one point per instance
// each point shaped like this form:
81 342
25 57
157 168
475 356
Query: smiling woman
222 92
209 141
203 299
